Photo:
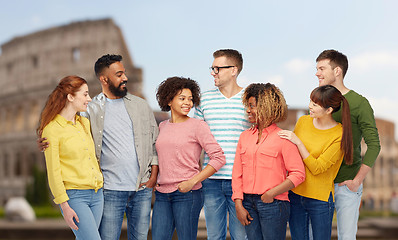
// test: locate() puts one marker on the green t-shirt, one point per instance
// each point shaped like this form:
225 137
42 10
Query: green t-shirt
363 125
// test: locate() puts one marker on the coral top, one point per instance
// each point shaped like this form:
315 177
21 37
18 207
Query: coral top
260 167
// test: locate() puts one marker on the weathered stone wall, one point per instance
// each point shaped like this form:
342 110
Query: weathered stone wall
30 68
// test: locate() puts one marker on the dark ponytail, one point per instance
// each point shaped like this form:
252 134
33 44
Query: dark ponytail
346 141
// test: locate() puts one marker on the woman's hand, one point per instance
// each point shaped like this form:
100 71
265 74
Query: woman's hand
242 214
185 186
267 197
289 135
150 183
69 215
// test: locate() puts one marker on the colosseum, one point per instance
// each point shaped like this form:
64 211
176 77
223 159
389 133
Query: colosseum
32 65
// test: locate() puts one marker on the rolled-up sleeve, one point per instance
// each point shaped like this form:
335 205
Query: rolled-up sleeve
293 163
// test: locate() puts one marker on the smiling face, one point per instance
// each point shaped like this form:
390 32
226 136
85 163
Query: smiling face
317 111
181 103
325 73
225 76
252 110
80 99
116 79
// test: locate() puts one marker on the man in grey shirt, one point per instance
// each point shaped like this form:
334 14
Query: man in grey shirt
124 132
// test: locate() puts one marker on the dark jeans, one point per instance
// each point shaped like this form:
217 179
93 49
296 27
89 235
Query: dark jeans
303 210
178 211
269 219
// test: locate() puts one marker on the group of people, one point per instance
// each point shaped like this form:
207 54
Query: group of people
106 155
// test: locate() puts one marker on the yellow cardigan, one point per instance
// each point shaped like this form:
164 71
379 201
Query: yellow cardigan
70 157
324 161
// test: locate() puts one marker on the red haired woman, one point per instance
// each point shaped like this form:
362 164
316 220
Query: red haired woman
73 172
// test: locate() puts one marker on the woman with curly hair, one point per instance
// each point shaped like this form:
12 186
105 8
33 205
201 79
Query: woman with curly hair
74 176
322 143
180 142
266 167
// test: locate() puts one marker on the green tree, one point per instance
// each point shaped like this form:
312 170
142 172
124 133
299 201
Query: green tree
37 192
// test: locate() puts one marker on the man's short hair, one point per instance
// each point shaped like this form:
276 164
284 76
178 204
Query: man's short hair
337 59
232 55
105 61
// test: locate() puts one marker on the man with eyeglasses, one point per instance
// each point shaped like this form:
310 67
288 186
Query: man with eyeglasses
222 109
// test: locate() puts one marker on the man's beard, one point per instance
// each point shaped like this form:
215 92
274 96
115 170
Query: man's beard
117 91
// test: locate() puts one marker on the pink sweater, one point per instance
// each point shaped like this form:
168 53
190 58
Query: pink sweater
179 146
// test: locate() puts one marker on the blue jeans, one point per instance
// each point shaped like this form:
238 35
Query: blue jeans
303 210
217 204
178 211
347 211
269 219
136 205
88 206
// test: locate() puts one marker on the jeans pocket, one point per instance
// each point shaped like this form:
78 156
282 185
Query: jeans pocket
71 192
358 192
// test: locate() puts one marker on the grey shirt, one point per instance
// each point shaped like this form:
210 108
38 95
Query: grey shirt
119 163
144 127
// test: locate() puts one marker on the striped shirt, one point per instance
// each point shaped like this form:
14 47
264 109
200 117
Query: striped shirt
226 119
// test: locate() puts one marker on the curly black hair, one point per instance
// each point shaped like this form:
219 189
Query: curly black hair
172 86
106 61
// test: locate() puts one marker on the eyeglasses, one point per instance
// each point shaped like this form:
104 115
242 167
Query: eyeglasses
217 69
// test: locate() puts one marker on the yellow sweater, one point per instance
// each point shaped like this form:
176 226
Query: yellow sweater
70 157
324 161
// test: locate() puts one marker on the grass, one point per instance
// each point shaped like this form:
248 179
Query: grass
41 212
47 212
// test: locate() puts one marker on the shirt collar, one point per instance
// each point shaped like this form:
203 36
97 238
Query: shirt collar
63 122
102 96
268 129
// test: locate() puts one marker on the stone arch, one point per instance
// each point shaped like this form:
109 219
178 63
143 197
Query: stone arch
8 120
2 120
31 162
33 118
19 119
18 165
5 165
2 165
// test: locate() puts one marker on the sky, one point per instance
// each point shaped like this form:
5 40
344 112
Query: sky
279 40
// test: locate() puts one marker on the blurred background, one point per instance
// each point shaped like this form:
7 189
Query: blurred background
42 41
